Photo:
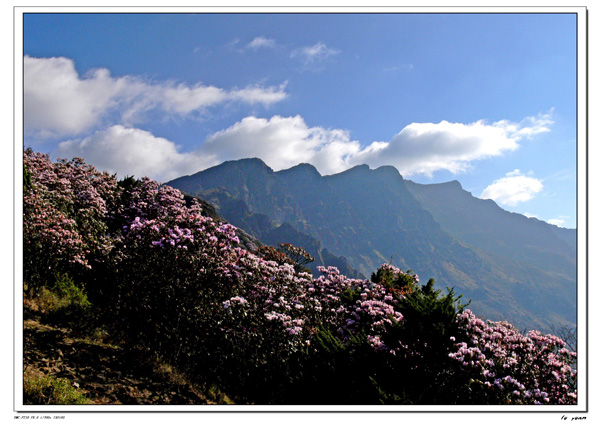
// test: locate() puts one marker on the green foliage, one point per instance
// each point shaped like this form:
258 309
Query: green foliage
128 183
336 372
65 303
428 325
399 282
428 312
27 185
350 295
69 292
62 293
39 389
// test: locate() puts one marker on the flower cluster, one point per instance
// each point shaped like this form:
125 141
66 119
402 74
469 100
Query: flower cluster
353 305
65 205
523 368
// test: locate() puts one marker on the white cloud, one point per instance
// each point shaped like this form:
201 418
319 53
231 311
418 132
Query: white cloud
130 151
513 189
533 125
418 149
313 54
255 94
560 221
282 143
424 148
59 102
232 45
557 221
261 42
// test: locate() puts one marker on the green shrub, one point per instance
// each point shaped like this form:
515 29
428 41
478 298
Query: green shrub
69 292
40 389
425 374
66 303
63 293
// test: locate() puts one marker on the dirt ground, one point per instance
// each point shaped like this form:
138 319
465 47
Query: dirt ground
106 374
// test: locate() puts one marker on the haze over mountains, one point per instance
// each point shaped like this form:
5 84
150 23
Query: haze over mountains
513 268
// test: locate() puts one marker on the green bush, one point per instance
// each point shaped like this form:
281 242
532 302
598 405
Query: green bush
40 389
426 373
69 292
66 303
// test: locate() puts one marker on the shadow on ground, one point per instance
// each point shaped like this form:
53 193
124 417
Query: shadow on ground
107 374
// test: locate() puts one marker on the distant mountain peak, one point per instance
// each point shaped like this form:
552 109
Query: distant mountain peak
454 183
357 168
388 170
305 168
256 162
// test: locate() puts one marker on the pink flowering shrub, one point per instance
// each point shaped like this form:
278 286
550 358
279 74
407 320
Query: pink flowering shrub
398 352
169 267
511 367
175 282
64 206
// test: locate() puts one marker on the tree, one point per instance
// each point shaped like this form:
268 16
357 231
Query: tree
297 255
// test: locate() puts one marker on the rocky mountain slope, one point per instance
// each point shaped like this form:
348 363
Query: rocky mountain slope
512 267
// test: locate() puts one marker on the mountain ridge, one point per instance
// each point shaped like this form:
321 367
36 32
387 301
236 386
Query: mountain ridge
371 216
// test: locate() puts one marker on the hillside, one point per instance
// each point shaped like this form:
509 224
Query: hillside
263 231
132 294
512 267
95 371
484 225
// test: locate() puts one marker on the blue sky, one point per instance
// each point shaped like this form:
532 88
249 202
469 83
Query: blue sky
485 99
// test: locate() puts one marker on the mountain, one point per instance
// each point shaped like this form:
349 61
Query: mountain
264 231
484 225
247 241
374 216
